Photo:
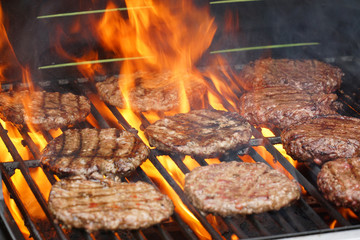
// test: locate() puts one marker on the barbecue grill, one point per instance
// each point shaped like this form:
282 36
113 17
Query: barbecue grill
281 29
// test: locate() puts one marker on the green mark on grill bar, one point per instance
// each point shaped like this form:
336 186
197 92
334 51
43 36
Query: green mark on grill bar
232 1
89 12
90 62
264 47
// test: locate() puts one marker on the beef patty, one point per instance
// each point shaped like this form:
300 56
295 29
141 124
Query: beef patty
206 133
310 75
231 188
108 204
323 138
94 153
339 180
283 106
45 110
153 91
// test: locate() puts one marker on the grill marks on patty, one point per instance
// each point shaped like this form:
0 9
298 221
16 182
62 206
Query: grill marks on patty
339 180
323 139
94 152
45 110
231 188
283 106
204 133
311 76
108 204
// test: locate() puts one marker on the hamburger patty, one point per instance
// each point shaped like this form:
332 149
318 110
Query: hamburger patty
339 180
310 75
153 91
231 188
323 138
45 110
283 106
108 204
94 152
206 133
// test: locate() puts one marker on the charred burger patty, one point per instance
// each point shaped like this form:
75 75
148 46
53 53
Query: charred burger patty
205 133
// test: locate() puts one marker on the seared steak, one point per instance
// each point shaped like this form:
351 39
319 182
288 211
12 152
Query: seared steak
339 180
231 188
283 106
206 133
45 110
108 204
153 91
323 138
94 153
310 75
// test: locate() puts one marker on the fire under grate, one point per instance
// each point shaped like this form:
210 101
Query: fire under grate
310 215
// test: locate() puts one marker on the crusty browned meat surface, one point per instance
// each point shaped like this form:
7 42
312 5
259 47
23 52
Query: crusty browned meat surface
45 110
205 133
108 204
323 139
312 76
94 153
231 188
339 180
152 91
109 91
283 106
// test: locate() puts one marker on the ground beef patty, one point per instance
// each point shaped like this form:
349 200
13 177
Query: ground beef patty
323 138
205 133
310 75
45 110
108 204
153 91
231 188
94 152
283 106
339 180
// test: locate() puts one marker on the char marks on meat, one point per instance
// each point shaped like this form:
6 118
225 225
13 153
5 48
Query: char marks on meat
323 138
94 153
231 188
205 133
108 204
339 180
283 106
110 92
45 110
312 76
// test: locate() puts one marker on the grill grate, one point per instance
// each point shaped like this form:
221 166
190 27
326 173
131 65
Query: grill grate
302 218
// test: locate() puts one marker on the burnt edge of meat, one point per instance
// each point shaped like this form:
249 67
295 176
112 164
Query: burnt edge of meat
323 138
93 153
107 204
283 106
200 133
339 181
309 75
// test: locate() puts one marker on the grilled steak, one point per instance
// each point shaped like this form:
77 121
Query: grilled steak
205 133
283 106
339 180
45 110
323 138
153 91
310 75
94 153
239 188
108 204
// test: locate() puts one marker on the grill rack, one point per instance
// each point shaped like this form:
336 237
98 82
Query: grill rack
298 219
